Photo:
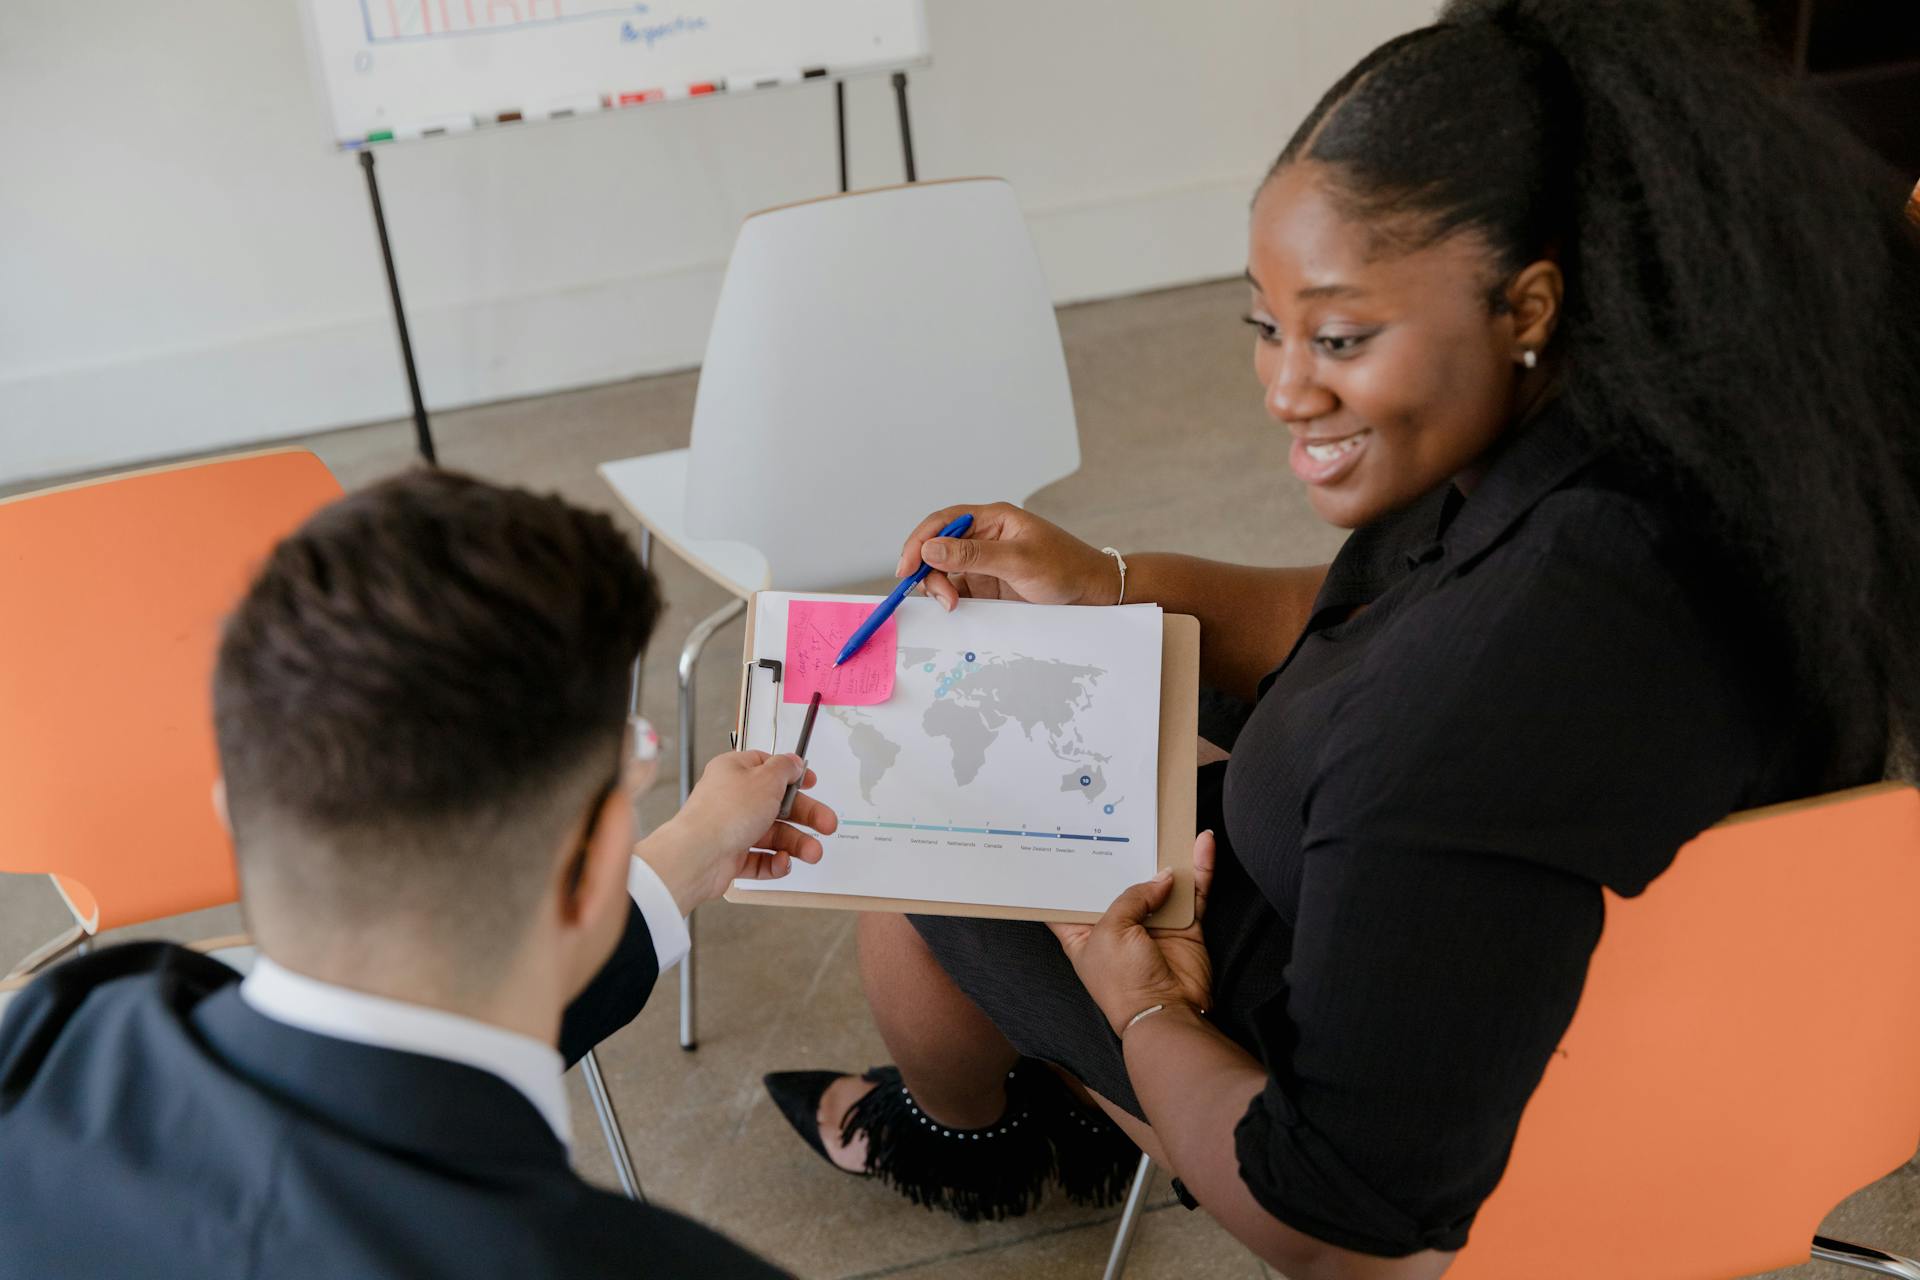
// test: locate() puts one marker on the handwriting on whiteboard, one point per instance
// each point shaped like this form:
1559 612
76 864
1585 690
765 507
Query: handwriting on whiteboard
651 33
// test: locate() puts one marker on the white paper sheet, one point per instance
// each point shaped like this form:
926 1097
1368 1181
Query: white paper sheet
1015 764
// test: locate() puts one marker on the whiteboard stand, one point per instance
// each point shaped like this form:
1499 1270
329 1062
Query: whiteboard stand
840 127
906 128
422 429
422 433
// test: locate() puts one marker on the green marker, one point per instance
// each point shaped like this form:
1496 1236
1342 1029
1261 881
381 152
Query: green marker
380 135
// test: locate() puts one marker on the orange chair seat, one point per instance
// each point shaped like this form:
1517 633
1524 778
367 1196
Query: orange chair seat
1745 1055
115 591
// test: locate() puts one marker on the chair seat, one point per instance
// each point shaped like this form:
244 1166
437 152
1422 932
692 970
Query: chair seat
654 488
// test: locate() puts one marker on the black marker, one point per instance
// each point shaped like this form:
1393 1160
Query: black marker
806 735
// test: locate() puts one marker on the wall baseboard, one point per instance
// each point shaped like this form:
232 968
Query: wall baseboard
54 422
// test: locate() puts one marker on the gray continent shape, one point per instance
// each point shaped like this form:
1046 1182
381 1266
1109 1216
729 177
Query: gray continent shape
1093 789
1035 693
969 731
911 657
874 750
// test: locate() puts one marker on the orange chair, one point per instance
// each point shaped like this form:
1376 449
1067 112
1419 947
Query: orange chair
115 592
1746 1054
116 589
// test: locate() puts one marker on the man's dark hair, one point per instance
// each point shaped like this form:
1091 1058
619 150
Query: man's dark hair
422 691
1742 314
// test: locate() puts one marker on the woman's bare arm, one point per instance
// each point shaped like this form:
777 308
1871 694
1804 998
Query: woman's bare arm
1249 617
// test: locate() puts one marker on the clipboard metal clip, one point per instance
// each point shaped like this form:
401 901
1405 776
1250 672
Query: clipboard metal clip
746 703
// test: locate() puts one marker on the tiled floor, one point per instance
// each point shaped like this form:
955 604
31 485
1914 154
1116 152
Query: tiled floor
1177 455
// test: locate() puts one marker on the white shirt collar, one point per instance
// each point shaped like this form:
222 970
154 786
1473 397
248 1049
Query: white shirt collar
308 1004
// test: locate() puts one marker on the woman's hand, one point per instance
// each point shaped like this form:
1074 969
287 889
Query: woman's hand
1127 967
1009 554
728 829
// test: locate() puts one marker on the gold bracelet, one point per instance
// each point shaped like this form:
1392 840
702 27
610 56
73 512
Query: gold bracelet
1147 1012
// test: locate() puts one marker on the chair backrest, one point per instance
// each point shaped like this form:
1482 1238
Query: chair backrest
113 593
874 357
1745 1055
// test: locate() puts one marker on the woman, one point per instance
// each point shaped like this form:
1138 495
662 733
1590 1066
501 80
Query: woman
1606 349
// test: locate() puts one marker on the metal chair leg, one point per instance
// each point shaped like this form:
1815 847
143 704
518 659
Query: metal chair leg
610 1127
1129 1219
689 659
639 662
1861 1258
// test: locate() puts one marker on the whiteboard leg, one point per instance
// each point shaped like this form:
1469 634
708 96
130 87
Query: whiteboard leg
422 433
906 126
840 127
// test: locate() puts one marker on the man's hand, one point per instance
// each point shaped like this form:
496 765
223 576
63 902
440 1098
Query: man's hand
727 829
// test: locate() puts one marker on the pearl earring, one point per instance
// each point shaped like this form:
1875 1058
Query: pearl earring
1530 358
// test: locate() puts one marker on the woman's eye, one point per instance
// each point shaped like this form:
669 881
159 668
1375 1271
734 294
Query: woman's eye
1265 328
1341 344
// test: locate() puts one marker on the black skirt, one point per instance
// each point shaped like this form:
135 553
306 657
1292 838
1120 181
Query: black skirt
1015 971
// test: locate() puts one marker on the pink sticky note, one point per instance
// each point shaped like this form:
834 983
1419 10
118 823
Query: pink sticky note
816 629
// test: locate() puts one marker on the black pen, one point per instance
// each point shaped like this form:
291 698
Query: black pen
806 735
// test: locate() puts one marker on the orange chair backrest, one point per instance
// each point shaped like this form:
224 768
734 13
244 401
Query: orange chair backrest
113 593
1745 1055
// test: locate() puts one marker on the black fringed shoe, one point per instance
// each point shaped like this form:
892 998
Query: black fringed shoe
1094 1157
977 1175
798 1094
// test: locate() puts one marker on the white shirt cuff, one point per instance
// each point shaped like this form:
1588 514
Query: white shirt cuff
671 941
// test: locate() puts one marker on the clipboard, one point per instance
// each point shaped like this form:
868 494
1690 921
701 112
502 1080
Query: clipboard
1179 735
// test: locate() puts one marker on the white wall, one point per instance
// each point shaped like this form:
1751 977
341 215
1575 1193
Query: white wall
185 263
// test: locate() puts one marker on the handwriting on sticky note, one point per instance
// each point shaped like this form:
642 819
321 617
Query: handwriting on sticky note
816 629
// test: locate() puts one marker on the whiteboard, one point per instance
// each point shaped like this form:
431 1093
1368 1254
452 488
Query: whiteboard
398 69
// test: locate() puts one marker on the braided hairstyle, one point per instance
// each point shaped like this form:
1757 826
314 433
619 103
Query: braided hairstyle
1742 315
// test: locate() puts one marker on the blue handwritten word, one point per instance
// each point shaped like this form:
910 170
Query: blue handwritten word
653 32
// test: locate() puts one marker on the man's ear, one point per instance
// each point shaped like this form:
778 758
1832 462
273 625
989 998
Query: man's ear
1533 300
220 809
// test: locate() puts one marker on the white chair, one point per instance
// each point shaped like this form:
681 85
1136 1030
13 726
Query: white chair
874 357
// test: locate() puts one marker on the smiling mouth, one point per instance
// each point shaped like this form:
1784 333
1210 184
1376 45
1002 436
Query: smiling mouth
1332 449
1325 462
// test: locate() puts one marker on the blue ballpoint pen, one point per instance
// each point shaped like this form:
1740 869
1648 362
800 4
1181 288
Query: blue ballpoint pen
884 610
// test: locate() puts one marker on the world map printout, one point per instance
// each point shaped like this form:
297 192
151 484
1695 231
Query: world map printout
1015 763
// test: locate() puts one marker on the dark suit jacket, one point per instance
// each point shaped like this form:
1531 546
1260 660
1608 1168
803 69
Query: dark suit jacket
153 1125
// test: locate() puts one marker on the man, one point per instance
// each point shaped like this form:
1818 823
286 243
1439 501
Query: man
420 707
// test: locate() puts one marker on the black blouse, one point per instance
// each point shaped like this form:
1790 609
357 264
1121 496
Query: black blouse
1549 689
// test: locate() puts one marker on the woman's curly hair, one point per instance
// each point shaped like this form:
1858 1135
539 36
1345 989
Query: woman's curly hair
1742 315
